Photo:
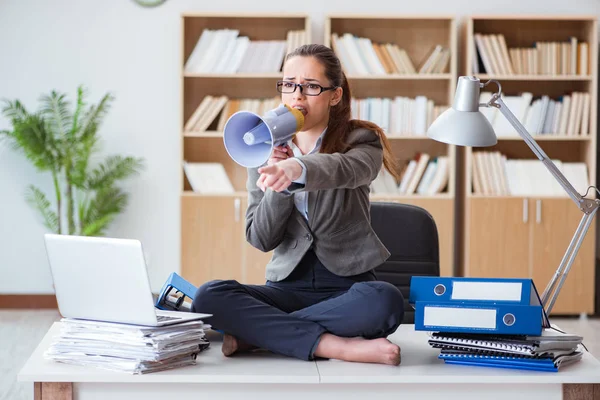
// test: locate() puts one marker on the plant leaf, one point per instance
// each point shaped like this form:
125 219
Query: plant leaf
106 203
80 161
86 138
55 108
81 94
37 199
94 116
97 227
32 138
14 110
113 169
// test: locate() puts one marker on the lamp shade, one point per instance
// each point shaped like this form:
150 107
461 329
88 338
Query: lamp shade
464 124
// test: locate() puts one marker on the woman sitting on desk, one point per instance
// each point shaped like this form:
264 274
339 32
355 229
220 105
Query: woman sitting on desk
310 203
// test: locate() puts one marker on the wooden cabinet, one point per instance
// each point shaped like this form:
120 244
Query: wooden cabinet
498 240
214 245
553 224
518 222
527 238
211 232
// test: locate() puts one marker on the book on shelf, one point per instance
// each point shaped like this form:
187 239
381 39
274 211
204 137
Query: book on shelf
208 178
423 175
494 57
437 61
363 56
569 114
224 51
221 108
494 174
205 113
398 116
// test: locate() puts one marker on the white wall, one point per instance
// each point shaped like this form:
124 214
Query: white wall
117 46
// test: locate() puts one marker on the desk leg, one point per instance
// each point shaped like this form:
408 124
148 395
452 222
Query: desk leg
581 392
52 391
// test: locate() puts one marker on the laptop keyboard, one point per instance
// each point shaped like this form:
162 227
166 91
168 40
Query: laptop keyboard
163 318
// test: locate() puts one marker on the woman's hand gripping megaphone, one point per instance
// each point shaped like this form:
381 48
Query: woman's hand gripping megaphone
280 153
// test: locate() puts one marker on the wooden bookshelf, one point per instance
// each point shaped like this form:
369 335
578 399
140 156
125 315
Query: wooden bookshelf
525 232
417 36
213 244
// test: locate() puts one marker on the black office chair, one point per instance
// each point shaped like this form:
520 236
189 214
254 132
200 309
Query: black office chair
410 234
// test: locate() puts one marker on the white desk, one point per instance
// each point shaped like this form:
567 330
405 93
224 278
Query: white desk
267 376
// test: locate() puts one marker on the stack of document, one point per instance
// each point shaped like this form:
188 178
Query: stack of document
128 348
490 322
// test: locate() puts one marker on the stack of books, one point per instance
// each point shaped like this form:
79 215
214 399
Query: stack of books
128 348
225 51
490 322
568 57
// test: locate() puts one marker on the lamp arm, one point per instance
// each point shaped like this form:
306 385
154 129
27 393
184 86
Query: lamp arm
588 206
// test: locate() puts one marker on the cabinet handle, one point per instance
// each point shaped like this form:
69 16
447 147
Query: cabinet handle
525 210
538 211
236 208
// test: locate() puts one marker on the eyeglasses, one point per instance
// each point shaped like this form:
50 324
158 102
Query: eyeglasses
309 89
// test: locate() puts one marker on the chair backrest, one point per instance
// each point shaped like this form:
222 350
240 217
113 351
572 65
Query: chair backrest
411 236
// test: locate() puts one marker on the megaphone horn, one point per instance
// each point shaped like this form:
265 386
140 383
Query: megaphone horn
249 138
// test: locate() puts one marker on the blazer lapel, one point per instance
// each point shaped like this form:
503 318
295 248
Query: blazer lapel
302 220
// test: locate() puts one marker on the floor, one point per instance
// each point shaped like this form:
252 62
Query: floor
22 330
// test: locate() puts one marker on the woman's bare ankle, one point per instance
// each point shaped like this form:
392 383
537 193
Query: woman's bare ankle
380 351
232 345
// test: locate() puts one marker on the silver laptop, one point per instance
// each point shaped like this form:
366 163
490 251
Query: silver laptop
105 279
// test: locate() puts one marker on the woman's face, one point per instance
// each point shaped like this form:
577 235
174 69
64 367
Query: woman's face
309 71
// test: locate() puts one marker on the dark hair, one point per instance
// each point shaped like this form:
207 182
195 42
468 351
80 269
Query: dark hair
340 117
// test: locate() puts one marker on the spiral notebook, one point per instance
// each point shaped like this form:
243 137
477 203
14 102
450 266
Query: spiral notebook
550 340
548 363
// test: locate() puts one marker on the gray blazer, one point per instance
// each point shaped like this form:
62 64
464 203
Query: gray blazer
338 225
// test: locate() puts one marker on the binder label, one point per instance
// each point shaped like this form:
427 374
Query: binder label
460 317
499 291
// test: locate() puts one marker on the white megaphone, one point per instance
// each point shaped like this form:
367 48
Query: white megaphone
249 138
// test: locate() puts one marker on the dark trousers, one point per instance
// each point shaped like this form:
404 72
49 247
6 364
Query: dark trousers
289 317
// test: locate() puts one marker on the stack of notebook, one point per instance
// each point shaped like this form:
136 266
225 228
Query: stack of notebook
127 348
547 352
490 322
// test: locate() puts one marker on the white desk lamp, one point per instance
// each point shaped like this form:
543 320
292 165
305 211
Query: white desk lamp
465 125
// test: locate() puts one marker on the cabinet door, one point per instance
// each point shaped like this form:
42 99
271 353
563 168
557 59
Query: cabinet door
254 260
554 222
497 239
211 246
442 211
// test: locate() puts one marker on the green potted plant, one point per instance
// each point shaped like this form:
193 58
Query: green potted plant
62 142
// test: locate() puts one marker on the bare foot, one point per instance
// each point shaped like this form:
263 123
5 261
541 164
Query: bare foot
232 345
380 351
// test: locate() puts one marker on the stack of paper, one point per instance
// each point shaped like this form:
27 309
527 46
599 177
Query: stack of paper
128 348
548 352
